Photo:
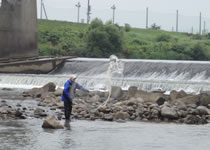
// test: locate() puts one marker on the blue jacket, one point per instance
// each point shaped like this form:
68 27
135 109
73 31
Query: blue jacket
68 86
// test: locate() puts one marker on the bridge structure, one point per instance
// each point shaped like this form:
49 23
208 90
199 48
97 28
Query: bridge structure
18 39
18 29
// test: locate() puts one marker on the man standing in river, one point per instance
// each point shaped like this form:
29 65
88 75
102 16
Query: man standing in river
68 94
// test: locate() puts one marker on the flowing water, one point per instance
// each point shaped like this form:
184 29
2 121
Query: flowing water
149 75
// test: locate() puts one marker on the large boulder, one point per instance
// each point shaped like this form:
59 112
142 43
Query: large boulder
204 99
132 91
38 92
169 113
121 116
52 123
193 99
58 92
49 87
151 98
176 95
203 110
116 92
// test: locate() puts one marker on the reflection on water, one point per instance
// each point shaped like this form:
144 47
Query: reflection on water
98 135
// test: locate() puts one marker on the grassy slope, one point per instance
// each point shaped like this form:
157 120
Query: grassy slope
65 38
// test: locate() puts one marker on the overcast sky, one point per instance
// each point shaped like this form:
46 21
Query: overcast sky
161 12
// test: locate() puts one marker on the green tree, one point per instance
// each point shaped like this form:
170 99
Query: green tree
103 39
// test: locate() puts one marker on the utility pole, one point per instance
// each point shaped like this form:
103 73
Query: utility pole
114 8
43 8
177 20
88 12
200 24
172 29
204 27
78 5
192 30
147 17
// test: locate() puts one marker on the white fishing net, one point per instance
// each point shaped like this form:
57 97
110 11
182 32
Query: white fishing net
116 68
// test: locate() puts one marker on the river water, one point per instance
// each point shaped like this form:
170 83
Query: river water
99 135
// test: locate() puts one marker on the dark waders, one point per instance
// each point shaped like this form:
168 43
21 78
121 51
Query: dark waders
68 109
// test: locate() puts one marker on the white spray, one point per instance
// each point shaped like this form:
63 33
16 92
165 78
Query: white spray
115 67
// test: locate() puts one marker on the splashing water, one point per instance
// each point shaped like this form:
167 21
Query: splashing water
116 67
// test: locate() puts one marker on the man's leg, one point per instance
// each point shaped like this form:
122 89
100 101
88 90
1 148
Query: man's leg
67 110
70 108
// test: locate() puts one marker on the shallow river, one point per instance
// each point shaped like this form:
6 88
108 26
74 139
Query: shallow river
99 135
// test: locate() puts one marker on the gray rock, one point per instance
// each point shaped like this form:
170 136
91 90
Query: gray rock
203 110
40 112
49 87
204 99
58 92
116 92
132 91
194 99
52 123
108 117
121 115
169 113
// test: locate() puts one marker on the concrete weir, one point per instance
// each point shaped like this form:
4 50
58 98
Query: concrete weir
18 39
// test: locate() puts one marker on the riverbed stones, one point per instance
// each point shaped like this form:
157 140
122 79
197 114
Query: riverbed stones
192 119
52 123
135 105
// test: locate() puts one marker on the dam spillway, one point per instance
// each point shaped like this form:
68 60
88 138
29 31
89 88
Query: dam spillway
149 75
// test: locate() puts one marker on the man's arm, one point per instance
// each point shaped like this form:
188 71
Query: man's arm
81 88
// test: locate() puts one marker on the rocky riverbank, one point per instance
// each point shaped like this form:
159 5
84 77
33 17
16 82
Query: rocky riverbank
131 105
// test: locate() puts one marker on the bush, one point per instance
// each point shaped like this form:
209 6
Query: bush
155 27
127 28
198 52
197 37
163 38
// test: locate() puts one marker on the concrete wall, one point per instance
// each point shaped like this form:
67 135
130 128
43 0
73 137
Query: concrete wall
18 29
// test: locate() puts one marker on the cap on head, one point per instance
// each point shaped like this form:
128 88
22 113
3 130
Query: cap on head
73 77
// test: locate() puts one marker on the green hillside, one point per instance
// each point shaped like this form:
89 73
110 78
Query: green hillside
59 38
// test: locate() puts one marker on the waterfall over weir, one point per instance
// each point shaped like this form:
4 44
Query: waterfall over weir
149 75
